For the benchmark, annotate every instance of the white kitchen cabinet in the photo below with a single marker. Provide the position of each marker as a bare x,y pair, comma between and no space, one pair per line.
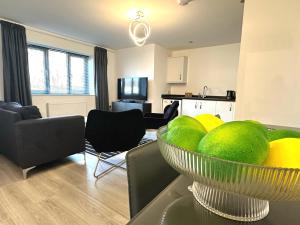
192,107
225,110
189,107
177,69
206,107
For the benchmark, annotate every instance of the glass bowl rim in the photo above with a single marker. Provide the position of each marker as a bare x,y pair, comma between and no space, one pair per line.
164,129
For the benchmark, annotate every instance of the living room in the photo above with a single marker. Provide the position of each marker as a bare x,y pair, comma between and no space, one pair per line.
237,60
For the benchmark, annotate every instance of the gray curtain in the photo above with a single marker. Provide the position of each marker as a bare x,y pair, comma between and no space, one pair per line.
101,87
15,64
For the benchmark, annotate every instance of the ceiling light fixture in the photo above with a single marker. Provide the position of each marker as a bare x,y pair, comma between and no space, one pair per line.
183,2
139,29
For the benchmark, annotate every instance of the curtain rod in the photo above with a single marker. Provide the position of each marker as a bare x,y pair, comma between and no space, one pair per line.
56,35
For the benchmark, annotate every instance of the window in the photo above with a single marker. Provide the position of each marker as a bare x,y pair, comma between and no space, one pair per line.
37,71
54,71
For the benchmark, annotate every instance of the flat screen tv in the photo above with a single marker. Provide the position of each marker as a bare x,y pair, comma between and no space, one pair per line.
133,88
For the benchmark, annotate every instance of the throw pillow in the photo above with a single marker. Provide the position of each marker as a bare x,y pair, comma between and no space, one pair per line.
30,112
25,112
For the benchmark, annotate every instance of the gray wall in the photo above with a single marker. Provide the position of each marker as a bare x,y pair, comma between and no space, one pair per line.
1,70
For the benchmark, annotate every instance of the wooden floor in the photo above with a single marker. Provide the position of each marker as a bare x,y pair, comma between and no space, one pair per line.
63,192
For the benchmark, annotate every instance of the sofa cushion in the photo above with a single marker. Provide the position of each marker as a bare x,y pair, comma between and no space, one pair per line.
30,112
25,112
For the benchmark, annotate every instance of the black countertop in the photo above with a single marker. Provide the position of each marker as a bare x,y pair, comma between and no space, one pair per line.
197,97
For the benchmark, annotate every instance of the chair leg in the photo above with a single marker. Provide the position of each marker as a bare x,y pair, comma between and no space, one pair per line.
107,170
115,165
25,171
96,176
84,156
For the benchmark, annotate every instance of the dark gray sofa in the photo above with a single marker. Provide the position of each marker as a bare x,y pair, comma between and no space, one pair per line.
32,142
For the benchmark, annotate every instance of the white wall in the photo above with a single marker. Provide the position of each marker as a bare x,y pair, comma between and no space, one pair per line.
215,67
269,71
147,61
44,39
1,70
137,62
160,70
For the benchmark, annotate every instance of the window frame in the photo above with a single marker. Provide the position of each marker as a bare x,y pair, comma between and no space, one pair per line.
69,76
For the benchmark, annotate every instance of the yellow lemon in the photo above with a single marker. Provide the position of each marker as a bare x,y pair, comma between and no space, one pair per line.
209,121
285,153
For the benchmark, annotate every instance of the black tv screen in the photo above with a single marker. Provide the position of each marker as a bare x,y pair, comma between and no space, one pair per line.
133,88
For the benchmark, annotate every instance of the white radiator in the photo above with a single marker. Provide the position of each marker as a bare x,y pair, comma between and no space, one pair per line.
63,109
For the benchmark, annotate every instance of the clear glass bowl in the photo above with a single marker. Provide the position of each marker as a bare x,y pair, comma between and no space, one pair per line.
234,190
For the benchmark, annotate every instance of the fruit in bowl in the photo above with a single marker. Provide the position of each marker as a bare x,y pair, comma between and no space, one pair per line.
186,121
246,141
235,184
279,134
236,141
209,121
178,136
284,153
185,132
259,126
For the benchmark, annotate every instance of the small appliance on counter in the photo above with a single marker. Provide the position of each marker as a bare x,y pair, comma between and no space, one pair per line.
230,95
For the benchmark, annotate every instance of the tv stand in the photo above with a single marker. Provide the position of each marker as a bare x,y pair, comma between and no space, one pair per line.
119,106
132,101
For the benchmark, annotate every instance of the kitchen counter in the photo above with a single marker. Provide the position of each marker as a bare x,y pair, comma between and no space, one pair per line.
197,97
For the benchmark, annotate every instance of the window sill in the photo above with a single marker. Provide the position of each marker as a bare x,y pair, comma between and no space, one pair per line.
64,95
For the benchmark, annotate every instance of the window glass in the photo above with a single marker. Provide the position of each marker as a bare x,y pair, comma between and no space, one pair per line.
78,74
58,72
128,86
135,86
36,60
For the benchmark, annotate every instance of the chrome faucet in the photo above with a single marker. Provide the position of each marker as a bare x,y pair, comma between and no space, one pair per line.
205,88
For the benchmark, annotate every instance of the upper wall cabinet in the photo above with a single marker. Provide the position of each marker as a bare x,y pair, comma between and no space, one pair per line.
177,69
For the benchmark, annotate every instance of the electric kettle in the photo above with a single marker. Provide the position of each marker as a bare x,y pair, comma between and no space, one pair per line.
230,95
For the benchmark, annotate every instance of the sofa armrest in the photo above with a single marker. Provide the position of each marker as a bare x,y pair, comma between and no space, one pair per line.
154,123
7,133
44,140
154,115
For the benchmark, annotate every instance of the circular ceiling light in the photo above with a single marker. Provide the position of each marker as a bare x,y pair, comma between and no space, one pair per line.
139,30
183,2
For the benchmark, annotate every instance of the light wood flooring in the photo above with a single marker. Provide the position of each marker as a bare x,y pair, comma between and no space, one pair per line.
64,192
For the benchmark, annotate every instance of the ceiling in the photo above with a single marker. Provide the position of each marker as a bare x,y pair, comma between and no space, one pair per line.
105,22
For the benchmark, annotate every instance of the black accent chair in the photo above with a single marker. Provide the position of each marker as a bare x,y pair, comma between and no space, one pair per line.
157,120
148,174
114,131
29,140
